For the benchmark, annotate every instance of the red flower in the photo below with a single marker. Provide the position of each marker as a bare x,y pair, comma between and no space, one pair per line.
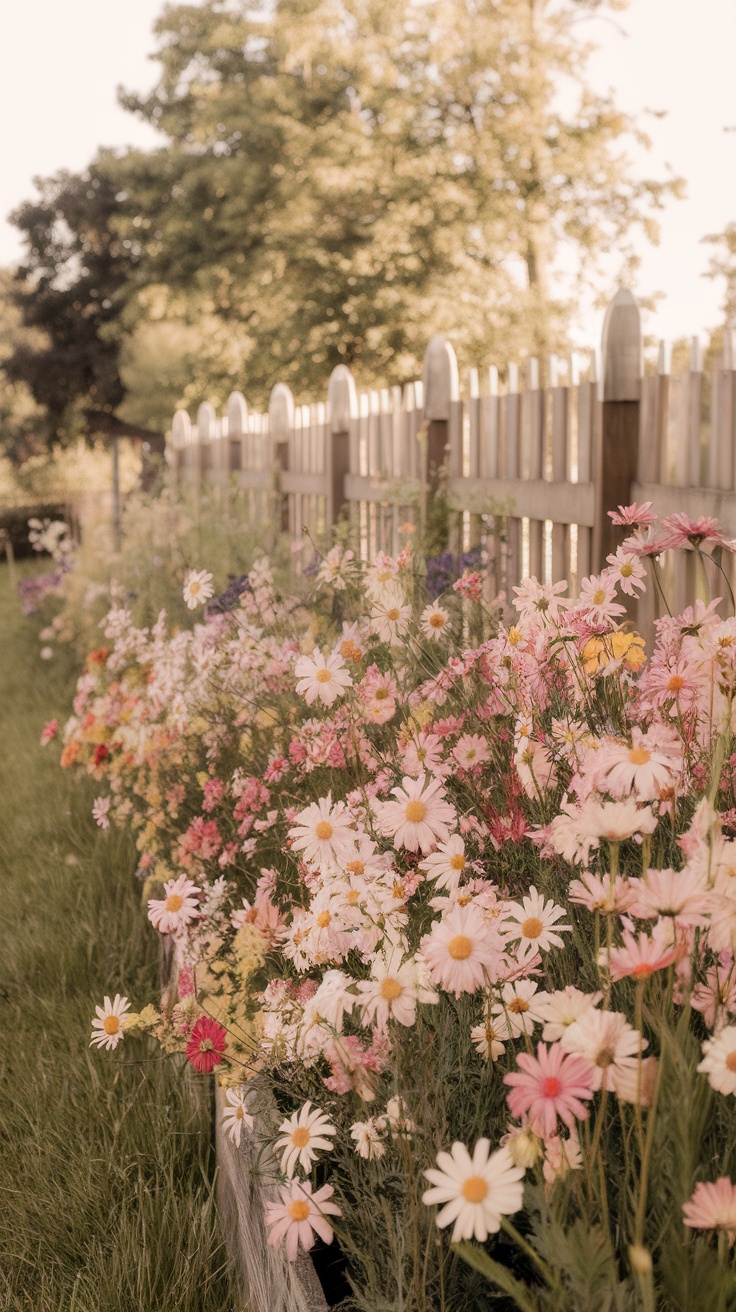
206,1044
101,754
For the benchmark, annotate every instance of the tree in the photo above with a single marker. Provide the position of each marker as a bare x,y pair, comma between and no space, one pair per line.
343,177
723,265
21,419
70,291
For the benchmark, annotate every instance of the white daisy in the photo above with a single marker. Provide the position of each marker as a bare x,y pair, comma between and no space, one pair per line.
322,677
197,588
323,833
434,621
235,1115
490,1038
393,991
519,1006
420,816
368,1138
534,920
100,810
610,1044
390,615
477,1191
303,1136
719,1060
447,864
178,908
560,1009
107,1028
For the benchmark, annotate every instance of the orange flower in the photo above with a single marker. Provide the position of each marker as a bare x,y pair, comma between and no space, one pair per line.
619,646
70,754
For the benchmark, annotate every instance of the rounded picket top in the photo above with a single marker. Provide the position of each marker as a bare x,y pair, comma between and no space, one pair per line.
206,422
281,411
181,430
237,415
440,379
342,398
621,350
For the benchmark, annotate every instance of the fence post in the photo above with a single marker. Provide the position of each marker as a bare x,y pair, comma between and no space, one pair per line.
342,411
441,390
181,436
281,427
237,427
617,448
206,433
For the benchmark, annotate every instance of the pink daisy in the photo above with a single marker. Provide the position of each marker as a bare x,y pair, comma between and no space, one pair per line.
49,731
641,956
207,1043
462,951
633,516
300,1215
681,531
712,1207
549,1085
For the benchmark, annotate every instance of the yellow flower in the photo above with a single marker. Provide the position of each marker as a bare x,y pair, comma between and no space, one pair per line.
137,1022
620,646
250,950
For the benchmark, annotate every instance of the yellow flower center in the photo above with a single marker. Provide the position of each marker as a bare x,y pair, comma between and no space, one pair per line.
457,862
195,586
639,756
676,683
599,597
323,831
323,919
436,621
605,1058
298,1211
111,1024
532,927
380,694
300,1138
353,897
475,1189
415,812
323,676
460,947
731,1062
239,1113
174,902
514,636
393,614
518,1006
356,867
391,989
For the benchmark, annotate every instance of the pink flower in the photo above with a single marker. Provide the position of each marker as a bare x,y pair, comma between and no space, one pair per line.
207,1042
49,731
300,1215
549,1085
100,809
680,531
641,957
469,585
462,951
712,1207
633,516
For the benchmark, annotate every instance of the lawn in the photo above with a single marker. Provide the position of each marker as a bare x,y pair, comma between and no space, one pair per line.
106,1164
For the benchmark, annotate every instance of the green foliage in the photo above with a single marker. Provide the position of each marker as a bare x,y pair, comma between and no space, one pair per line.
105,1173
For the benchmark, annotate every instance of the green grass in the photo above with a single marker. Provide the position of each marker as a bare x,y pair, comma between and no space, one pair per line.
106,1193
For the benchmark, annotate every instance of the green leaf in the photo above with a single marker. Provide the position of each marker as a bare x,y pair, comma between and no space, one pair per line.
498,1275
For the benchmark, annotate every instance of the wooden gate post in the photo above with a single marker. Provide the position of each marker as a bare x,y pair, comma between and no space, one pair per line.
617,445
342,411
281,427
441,389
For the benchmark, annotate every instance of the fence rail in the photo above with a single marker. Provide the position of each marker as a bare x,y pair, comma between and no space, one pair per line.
532,465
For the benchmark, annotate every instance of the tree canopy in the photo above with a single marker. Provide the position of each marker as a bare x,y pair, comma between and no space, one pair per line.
339,179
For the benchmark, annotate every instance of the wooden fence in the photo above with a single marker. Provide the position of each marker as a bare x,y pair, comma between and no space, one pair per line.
532,465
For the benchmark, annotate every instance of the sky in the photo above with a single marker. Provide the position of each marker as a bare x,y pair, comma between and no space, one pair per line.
61,62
